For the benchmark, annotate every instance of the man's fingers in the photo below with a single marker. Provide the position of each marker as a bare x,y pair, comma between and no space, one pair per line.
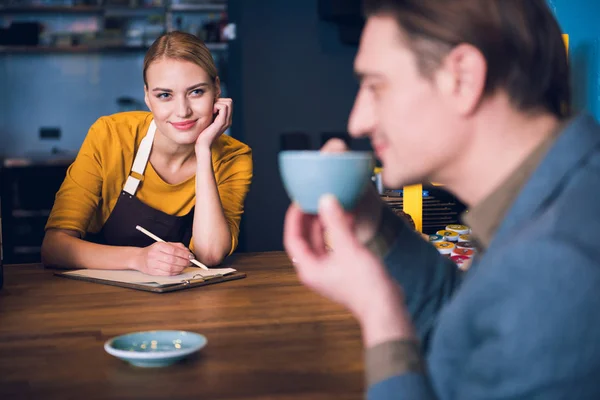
295,241
317,237
334,145
336,222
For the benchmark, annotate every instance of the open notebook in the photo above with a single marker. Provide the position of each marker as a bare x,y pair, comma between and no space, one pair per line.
191,277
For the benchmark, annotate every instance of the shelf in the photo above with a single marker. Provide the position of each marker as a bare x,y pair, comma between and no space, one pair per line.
217,46
30,213
199,7
70,49
111,10
27,249
127,11
88,49
50,9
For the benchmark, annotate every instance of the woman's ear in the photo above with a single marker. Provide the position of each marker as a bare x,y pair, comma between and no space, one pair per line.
146,99
217,88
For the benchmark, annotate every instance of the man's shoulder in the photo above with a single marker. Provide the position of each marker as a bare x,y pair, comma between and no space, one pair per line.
570,215
559,241
557,249
574,212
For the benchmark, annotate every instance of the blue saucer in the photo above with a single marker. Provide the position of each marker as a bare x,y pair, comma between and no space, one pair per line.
155,348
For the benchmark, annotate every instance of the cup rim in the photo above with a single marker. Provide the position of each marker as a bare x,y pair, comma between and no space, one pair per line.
319,154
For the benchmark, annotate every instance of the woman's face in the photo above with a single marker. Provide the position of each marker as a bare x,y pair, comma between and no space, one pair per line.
181,96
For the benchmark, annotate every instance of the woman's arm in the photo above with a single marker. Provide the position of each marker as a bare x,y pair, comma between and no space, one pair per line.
64,249
211,240
211,233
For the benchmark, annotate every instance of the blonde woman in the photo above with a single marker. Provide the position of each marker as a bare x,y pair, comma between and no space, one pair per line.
170,170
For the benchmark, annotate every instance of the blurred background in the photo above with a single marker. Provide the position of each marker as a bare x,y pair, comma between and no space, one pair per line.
286,63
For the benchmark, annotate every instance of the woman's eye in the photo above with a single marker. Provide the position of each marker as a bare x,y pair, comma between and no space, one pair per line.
197,92
163,96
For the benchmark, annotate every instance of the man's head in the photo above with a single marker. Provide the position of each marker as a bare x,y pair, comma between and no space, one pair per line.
428,67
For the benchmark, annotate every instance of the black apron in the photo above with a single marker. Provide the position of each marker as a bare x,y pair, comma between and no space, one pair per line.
119,228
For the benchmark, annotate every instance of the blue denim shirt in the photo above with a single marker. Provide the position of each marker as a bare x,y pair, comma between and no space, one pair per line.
521,323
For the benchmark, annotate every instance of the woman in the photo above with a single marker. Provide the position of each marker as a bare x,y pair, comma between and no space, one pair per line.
145,168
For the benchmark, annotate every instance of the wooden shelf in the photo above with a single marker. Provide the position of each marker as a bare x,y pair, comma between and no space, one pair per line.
88,49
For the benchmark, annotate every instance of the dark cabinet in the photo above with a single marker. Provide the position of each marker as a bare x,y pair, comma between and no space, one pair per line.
27,191
347,15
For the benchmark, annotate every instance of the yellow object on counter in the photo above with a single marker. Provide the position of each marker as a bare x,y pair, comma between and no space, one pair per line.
412,204
444,247
460,229
464,238
450,236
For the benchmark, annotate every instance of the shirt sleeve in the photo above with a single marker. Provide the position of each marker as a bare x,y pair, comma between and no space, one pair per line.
78,198
396,369
428,279
411,385
396,357
533,335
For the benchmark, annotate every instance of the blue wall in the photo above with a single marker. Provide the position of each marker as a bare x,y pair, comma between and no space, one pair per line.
4,98
293,75
68,91
581,20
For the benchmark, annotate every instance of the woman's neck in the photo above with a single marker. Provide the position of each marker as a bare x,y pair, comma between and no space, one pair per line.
170,154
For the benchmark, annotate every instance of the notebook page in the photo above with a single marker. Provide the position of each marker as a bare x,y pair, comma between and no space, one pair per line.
137,277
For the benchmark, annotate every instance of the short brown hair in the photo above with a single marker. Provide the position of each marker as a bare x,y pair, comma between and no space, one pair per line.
520,40
181,46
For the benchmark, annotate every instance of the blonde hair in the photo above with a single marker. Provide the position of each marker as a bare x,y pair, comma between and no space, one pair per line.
181,46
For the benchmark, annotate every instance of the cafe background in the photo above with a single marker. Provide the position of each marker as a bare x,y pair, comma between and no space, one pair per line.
286,63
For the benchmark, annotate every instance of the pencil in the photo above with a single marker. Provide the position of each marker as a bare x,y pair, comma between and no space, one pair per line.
156,238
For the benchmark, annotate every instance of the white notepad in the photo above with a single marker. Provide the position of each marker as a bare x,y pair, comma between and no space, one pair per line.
190,274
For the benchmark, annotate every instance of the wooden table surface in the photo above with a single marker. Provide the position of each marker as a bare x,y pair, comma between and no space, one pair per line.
268,338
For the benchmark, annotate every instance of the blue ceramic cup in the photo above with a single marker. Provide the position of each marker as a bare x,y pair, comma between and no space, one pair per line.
308,175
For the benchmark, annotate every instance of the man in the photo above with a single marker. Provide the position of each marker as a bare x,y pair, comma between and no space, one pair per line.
472,94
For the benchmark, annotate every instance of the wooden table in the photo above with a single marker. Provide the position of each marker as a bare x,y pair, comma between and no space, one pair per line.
268,338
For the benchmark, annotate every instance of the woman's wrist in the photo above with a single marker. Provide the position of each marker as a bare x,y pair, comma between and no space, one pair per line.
132,257
203,156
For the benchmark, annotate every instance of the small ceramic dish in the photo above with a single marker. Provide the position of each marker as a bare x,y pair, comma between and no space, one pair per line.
155,348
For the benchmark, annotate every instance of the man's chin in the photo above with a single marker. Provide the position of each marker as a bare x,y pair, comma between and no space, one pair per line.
397,181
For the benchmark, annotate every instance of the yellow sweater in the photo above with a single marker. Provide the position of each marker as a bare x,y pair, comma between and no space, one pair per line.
95,179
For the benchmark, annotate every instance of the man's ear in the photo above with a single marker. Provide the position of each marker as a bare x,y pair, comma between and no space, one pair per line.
461,78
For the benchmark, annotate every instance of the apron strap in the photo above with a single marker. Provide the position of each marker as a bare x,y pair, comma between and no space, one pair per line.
140,161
